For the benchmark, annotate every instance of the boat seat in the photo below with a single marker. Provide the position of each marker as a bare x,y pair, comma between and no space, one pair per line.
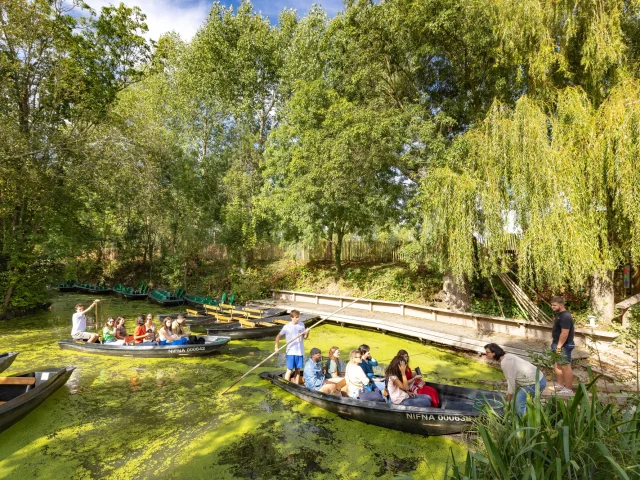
224,318
212,309
280,321
17,380
192,312
266,324
226,308
253,313
246,324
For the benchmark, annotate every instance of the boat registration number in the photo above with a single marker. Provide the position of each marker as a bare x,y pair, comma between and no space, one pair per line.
186,350
440,418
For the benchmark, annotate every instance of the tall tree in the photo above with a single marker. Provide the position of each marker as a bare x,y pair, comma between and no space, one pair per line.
60,74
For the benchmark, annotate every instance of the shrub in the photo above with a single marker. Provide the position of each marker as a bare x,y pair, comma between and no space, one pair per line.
578,438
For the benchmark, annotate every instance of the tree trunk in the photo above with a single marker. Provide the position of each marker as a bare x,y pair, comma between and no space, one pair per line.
329,252
458,293
602,300
7,297
338,251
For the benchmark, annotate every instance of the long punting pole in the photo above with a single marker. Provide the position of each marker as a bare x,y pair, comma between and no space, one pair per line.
314,326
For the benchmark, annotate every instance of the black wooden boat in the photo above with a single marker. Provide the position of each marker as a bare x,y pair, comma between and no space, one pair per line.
190,319
212,343
460,406
67,288
93,289
266,311
6,359
20,394
166,299
128,293
261,329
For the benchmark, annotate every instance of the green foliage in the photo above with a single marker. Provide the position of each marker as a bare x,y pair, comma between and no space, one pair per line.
578,438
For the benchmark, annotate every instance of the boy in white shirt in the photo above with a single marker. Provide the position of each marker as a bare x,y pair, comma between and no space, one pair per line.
295,349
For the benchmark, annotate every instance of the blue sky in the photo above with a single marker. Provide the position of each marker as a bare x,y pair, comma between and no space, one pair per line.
186,16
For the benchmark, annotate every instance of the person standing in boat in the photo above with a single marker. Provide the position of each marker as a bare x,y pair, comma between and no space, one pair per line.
295,348
520,374
314,377
79,321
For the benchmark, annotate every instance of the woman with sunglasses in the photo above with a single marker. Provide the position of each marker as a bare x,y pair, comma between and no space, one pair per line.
109,331
357,380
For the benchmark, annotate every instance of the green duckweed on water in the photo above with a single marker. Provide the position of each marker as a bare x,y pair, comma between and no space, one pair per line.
145,418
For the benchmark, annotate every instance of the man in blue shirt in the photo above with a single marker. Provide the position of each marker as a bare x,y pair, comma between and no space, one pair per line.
314,376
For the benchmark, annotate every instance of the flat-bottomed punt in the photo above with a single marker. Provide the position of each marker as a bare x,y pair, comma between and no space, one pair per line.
6,359
211,345
21,394
267,327
460,406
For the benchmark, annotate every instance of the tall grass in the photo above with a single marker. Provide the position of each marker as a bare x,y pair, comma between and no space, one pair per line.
576,438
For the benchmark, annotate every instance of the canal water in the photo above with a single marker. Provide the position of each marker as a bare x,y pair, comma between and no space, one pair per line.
145,418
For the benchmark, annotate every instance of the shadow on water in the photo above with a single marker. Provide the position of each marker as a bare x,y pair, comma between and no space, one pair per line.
165,418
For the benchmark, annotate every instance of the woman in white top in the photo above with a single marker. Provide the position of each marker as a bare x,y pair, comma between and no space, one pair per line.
356,380
167,337
398,385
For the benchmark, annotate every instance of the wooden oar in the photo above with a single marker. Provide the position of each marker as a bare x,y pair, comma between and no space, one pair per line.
306,331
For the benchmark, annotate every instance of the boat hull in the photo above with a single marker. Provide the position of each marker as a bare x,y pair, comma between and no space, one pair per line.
190,319
166,303
67,289
6,359
95,291
237,332
211,345
16,409
131,296
423,421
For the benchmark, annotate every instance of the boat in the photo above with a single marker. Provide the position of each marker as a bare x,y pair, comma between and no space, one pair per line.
6,359
167,299
199,302
93,289
69,286
259,328
20,394
190,319
267,312
459,407
129,293
212,344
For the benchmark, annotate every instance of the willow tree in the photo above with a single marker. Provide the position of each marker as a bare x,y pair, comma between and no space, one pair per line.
566,180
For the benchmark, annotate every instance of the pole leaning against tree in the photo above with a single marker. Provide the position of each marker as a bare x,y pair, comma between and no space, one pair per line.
306,331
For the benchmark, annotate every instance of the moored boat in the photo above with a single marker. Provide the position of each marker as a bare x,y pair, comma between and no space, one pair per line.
69,286
129,293
20,394
459,407
167,299
212,344
267,327
6,359
93,289
190,319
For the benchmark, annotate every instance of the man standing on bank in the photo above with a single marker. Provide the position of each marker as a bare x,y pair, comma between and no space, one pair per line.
295,349
562,343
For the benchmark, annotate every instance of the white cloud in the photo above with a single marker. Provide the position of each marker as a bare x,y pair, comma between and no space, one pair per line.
166,15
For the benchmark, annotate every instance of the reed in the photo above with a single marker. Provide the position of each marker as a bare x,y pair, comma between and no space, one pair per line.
576,438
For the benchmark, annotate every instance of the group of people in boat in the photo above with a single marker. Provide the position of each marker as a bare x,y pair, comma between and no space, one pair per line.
400,385
173,331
